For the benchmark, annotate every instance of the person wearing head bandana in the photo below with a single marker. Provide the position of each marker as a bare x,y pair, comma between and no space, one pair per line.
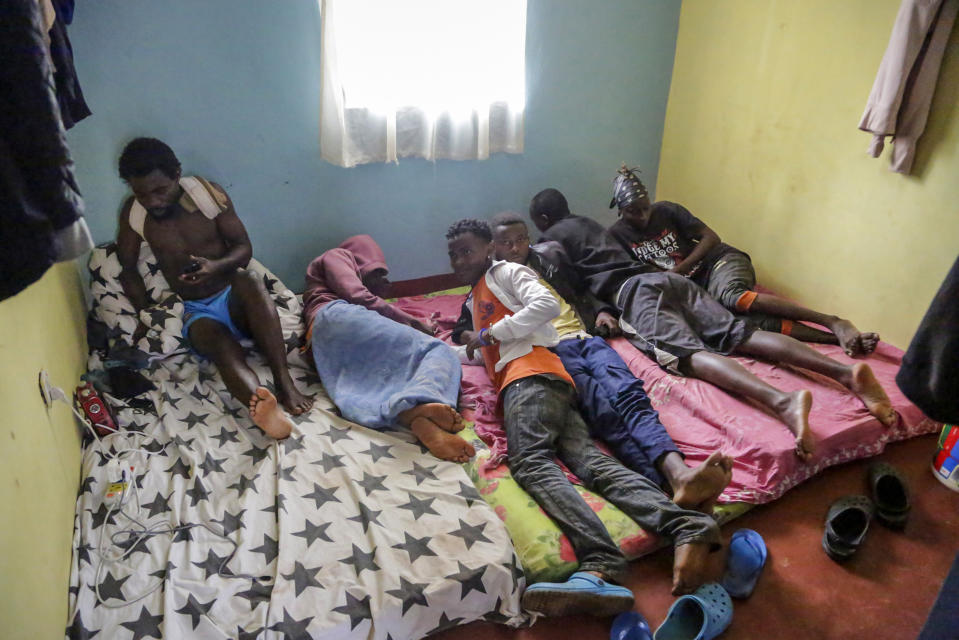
668,236
687,332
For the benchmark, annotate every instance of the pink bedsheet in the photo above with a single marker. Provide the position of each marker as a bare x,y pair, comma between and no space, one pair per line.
702,418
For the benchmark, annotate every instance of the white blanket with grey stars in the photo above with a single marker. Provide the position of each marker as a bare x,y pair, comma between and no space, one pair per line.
337,532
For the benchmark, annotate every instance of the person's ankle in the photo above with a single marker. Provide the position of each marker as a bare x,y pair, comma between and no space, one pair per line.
674,469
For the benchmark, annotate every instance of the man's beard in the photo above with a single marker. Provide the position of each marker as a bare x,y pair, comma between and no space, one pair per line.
162,212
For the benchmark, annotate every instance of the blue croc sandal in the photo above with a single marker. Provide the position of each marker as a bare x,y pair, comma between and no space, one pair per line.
630,626
747,556
582,593
700,616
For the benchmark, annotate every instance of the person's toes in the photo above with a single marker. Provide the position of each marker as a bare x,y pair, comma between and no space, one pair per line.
727,464
869,342
256,398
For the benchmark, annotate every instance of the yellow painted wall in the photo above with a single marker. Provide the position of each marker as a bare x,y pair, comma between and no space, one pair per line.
761,142
42,327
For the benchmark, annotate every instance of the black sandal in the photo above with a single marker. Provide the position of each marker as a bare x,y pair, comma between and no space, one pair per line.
846,525
890,493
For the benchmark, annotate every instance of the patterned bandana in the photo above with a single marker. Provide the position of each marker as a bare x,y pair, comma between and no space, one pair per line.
627,187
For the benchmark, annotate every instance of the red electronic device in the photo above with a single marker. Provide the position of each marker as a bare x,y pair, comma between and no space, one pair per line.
95,409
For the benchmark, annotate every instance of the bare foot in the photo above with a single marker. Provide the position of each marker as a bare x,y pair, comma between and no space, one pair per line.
795,413
268,415
441,444
848,336
294,401
851,341
698,488
869,342
689,567
864,384
444,416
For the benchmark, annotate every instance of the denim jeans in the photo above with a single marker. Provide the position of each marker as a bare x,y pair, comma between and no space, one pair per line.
615,405
542,423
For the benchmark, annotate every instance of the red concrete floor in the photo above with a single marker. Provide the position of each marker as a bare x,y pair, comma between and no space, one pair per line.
884,592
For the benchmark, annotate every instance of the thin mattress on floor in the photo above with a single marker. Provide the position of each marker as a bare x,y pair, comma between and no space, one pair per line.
701,418
336,532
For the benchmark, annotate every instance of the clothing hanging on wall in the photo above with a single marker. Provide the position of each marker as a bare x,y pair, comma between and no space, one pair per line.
73,108
41,211
902,93
929,375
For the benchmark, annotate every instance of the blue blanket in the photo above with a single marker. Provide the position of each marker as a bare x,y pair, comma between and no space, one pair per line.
374,368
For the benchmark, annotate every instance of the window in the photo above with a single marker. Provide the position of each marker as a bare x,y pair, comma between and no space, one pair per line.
437,79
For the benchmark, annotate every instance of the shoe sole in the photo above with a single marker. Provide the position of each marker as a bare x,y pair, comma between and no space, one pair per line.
565,603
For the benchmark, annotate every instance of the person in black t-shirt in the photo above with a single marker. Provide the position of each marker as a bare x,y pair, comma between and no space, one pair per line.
687,332
668,236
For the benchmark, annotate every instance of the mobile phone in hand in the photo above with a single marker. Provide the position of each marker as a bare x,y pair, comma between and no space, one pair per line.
193,267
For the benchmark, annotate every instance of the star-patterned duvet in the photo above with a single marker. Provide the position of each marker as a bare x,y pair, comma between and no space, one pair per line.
337,532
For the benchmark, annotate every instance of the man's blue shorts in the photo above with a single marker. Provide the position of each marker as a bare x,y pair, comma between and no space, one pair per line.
216,307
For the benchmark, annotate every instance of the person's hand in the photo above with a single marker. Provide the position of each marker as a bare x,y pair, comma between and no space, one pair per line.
207,268
472,341
426,326
607,324
682,270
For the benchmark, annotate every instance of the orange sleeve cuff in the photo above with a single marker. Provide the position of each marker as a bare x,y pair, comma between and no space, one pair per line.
786,327
745,301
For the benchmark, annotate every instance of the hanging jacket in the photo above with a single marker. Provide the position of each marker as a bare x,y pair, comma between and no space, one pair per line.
73,107
40,206
899,103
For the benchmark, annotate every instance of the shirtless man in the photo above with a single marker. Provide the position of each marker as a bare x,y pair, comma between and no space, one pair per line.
202,249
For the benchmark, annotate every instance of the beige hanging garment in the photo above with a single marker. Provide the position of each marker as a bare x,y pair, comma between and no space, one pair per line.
899,102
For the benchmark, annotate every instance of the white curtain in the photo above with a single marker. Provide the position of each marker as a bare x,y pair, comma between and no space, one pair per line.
435,79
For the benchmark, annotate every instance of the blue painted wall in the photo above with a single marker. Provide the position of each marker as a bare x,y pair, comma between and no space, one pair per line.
233,87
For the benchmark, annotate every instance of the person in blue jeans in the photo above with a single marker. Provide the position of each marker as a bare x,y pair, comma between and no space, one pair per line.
612,399
508,315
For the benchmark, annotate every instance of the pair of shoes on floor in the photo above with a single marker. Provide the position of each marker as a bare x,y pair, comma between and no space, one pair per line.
848,518
582,593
